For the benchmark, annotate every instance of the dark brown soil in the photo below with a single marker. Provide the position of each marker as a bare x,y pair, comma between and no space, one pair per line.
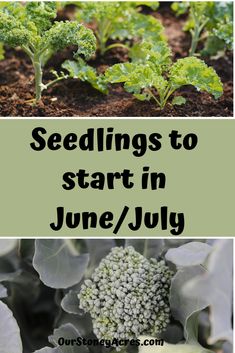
74,98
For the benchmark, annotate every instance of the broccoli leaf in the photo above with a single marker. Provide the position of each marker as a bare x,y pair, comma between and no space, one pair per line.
137,77
119,72
190,254
70,303
80,70
53,261
67,331
63,34
157,53
213,45
13,32
10,340
193,71
215,288
224,32
41,14
183,307
147,28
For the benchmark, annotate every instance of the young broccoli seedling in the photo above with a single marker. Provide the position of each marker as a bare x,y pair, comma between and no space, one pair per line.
127,295
212,20
152,75
32,27
119,21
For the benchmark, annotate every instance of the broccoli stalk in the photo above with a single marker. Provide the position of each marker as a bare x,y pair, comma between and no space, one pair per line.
200,22
30,27
127,295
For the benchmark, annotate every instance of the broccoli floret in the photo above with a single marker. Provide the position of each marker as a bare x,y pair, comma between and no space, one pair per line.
127,295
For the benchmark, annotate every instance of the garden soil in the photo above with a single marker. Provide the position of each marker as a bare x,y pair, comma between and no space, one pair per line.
75,98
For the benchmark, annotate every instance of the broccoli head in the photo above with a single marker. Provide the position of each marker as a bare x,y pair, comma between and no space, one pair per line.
127,295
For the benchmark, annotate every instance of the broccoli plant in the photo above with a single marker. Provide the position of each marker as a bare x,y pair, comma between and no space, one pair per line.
32,27
153,75
208,19
127,295
119,20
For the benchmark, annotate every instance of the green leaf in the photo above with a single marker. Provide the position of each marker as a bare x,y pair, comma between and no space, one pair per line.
178,100
10,341
224,32
63,34
80,70
41,14
148,28
183,307
119,72
138,79
70,303
12,31
193,71
215,288
67,331
57,266
212,46
157,54
141,77
190,254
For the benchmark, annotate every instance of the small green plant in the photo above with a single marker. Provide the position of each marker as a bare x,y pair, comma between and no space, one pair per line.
32,27
212,20
153,75
127,295
119,20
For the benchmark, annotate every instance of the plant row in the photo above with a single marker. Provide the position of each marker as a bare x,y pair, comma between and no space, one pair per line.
149,73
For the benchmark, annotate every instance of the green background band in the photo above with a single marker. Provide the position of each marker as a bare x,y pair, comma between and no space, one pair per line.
200,183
